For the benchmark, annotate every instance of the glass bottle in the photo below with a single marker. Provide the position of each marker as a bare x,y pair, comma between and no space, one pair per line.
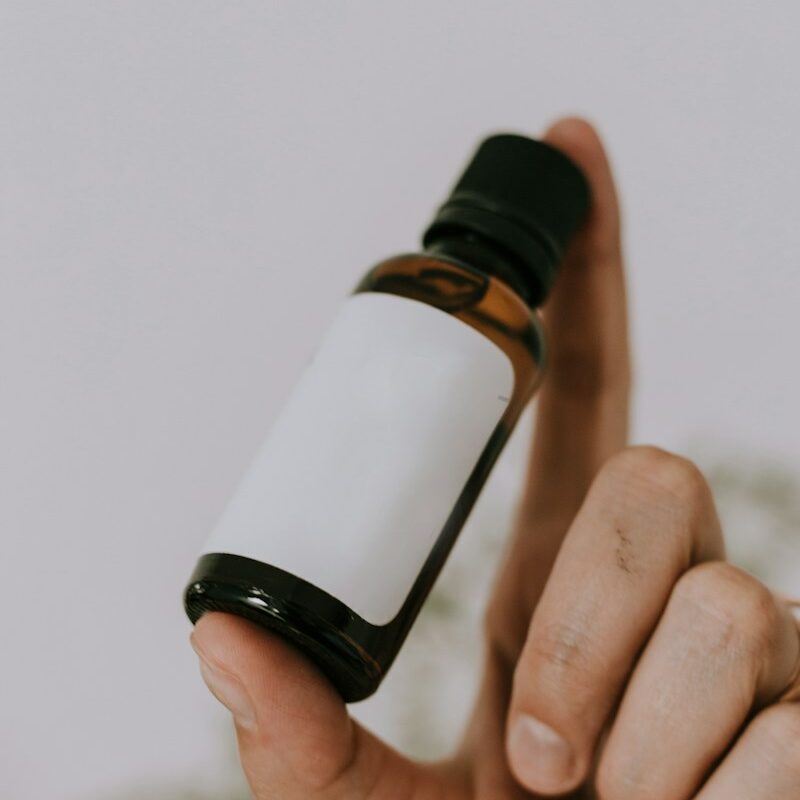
339,529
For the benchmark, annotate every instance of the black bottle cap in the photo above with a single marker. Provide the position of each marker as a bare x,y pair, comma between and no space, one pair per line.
523,196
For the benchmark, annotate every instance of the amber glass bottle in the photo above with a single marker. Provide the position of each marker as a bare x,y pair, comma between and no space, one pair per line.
342,523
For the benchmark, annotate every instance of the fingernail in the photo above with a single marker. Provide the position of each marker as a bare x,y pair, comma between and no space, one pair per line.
542,759
229,690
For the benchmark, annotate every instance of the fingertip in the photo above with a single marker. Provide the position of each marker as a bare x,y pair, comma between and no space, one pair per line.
276,674
226,639
577,136
227,644
541,759
242,647
572,126
579,139
301,722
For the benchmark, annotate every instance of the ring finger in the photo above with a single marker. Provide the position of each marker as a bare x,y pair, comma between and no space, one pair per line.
724,647
765,763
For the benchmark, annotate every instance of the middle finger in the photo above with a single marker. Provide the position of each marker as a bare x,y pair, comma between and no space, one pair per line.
647,518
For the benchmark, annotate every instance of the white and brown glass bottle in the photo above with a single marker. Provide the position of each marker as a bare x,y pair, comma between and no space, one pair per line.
343,521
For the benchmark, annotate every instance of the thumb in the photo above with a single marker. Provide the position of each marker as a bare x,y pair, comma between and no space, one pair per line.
295,736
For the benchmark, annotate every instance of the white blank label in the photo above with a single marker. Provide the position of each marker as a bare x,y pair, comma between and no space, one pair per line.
365,462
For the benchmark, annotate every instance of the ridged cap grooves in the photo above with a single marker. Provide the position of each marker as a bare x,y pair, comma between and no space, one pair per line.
525,196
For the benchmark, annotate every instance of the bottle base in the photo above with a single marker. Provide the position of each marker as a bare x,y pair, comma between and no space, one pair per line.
212,587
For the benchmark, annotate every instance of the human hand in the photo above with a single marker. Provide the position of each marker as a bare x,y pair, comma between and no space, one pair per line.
625,659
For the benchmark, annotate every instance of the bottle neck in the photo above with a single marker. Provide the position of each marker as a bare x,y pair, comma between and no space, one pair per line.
473,250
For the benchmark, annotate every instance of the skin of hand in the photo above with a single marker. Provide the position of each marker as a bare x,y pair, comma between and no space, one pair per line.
624,657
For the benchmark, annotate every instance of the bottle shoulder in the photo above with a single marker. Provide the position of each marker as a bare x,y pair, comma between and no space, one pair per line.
482,301
458,289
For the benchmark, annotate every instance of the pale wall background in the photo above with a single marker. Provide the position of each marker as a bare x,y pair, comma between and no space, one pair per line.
188,189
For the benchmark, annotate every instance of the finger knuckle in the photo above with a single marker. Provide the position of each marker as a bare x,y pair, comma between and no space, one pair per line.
659,492
559,655
738,606
658,473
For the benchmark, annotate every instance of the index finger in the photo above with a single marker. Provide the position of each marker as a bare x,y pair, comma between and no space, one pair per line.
582,416
583,405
